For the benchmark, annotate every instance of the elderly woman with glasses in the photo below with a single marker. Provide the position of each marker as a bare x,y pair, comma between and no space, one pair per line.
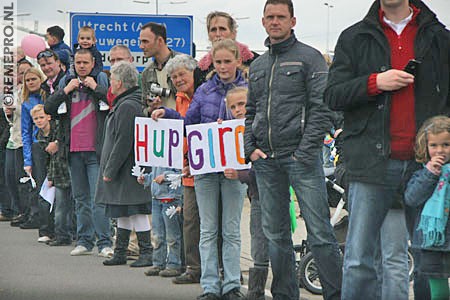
181,71
125,199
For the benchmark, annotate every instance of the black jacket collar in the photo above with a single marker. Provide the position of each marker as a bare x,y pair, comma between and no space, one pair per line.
45,86
426,16
282,46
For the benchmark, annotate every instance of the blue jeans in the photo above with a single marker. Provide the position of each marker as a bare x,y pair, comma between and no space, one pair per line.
166,235
208,189
369,204
391,257
63,214
274,177
91,219
259,244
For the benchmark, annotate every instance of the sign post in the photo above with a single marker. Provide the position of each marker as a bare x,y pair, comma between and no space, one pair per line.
115,29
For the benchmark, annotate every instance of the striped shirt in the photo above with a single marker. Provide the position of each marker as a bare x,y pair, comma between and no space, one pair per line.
83,122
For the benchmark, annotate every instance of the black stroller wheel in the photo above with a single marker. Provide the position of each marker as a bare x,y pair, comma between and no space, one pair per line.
309,274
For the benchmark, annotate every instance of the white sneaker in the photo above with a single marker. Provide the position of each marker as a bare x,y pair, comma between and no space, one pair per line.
43,239
106,252
80,250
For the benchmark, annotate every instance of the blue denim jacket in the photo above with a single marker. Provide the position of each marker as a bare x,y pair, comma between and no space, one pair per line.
420,188
162,191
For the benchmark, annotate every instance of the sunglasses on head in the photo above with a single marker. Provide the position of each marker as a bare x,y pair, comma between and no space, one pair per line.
45,53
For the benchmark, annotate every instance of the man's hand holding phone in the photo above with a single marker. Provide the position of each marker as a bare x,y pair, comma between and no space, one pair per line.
411,66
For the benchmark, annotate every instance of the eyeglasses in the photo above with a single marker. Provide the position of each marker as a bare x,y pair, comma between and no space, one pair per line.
45,53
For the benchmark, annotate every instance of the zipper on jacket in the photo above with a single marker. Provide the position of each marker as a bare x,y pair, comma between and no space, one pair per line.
268,106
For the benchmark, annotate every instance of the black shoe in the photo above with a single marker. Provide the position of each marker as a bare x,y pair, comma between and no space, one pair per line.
30,224
144,260
17,221
55,243
234,294
116,260
208,296
186,278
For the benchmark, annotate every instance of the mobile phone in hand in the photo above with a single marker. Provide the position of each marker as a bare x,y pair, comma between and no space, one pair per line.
411,66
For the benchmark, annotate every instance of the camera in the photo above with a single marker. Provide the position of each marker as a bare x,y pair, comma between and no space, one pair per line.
157,90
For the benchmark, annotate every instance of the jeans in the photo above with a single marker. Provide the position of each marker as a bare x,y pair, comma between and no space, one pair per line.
166,235
391,257
191,231
63,214
258,241
91,219
208,189
39,172
13,172
369,203
421,285
273,177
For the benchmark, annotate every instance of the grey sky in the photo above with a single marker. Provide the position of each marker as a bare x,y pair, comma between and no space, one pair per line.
311,16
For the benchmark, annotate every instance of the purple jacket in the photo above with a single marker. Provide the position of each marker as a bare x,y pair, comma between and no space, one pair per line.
208,103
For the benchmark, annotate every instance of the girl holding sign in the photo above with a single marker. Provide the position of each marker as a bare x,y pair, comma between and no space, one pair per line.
209,105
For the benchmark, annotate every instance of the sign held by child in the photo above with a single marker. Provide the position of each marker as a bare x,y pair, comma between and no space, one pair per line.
214,147
158,144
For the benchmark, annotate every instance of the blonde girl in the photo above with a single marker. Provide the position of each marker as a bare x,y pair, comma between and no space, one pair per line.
209,105
429,189
32,94
33,155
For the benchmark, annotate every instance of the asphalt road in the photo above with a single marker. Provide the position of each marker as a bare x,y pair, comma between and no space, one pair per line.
33,271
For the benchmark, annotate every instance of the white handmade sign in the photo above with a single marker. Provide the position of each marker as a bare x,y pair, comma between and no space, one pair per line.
158,143
215,147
